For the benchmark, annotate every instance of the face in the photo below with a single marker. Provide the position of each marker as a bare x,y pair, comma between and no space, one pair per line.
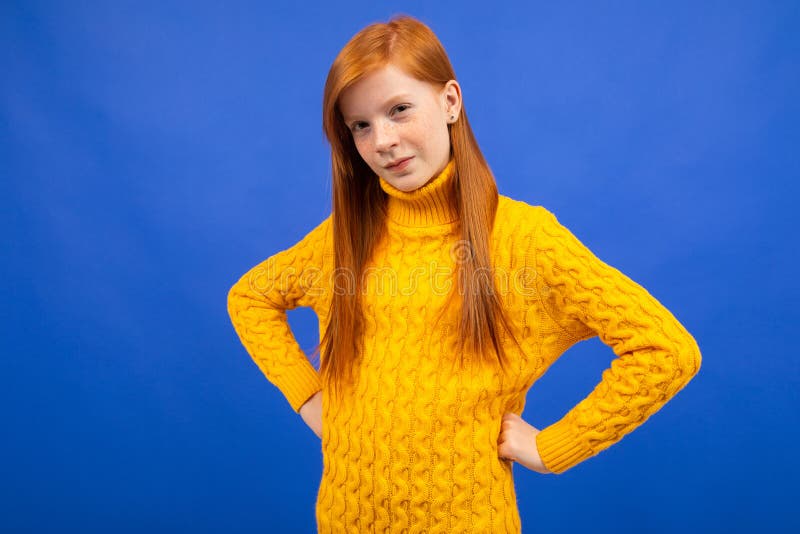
394,117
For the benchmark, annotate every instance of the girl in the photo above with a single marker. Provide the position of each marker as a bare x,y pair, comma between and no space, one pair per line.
440,302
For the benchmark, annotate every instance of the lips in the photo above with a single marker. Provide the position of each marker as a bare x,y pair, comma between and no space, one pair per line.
398,162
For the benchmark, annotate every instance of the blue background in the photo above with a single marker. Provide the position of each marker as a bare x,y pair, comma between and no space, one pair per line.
151,153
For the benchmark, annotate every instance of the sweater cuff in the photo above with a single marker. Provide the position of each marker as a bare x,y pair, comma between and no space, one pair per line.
300,385
559,447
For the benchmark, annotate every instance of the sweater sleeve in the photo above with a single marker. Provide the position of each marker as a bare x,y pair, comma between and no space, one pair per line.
257,305
656,356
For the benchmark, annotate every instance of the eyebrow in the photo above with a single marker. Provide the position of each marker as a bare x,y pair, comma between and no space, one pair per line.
392,99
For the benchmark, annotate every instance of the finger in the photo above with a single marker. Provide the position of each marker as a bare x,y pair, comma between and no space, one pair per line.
504,451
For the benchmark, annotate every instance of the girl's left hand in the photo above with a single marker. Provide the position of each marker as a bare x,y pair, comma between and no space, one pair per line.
517,443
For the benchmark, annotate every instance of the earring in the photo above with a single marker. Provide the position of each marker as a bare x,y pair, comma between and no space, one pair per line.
452,117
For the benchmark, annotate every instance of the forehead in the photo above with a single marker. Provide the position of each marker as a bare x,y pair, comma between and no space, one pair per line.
377,88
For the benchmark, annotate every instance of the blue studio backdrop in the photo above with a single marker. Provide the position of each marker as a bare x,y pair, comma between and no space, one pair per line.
153,152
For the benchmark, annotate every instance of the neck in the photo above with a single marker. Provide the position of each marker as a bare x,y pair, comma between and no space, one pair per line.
432,204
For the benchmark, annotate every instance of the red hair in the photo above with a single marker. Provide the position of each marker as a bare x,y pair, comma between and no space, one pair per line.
358,214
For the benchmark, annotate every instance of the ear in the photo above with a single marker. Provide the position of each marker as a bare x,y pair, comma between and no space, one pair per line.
451,95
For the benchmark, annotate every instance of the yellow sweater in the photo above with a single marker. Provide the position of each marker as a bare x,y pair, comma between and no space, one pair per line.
415,449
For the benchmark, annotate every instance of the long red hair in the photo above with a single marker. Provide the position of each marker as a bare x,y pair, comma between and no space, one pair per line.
358,215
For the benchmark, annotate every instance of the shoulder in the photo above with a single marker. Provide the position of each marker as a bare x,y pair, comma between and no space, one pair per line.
515,231
323,226
321,232
313,246
514,216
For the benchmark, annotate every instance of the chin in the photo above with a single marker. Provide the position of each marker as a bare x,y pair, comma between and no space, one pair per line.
412,185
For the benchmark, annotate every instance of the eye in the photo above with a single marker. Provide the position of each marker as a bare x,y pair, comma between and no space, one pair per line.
360,125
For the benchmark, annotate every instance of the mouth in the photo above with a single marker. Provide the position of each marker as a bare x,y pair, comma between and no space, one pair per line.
398,163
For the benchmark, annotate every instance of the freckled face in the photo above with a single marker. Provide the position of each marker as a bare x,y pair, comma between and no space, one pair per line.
394,117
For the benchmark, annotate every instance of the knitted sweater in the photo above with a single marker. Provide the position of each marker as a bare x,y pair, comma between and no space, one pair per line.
415,448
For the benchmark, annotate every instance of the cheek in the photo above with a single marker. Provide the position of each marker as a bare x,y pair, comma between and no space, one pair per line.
419,133
427,131
363,148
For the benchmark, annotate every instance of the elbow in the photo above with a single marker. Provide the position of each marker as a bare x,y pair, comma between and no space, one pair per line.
234,295
688,360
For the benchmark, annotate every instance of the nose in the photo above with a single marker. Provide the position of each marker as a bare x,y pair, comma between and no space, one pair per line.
385,136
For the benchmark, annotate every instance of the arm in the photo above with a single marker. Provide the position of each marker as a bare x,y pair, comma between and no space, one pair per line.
311,412
656,356
257,306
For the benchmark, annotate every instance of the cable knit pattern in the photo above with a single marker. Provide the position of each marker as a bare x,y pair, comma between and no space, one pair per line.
414,448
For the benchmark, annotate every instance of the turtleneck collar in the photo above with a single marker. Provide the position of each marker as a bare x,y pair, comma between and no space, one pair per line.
432,204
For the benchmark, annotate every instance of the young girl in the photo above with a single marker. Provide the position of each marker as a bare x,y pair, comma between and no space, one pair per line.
440,303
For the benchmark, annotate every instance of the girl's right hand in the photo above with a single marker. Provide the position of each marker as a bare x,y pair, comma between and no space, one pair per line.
311,412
